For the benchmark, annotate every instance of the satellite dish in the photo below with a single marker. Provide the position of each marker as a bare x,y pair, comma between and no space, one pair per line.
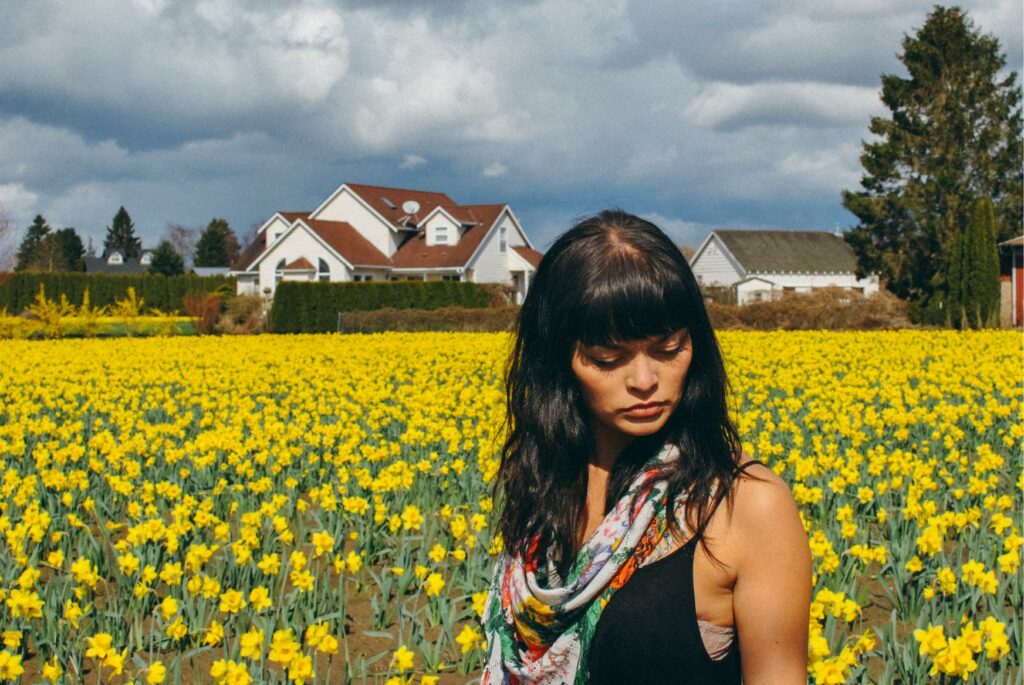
410,206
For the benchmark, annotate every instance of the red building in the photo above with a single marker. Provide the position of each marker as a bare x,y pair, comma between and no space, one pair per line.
1011,281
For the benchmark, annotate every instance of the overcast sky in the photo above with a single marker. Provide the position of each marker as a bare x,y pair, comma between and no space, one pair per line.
695,114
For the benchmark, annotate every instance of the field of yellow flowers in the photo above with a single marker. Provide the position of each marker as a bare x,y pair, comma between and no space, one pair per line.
317,508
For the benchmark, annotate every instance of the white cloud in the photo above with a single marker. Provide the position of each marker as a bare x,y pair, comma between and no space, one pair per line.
17,204
494,170
728,105
412,161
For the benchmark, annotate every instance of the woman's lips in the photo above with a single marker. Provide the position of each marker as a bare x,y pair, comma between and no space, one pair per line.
645,410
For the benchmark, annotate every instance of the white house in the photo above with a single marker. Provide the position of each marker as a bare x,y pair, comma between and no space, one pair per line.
763,264
374,233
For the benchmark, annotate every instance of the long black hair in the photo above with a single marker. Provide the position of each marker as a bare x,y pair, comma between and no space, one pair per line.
613,277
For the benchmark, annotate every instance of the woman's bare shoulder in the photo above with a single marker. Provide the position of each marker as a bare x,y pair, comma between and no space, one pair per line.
762,501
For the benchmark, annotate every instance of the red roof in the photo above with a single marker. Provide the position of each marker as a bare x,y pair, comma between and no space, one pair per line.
300,264
388,202
530,255
414,253
349,243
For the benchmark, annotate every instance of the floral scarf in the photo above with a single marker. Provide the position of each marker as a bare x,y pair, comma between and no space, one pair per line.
538,628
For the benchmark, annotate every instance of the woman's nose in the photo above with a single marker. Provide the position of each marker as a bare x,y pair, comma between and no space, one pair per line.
642,376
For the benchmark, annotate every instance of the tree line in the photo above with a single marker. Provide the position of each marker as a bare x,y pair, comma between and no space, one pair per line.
48,250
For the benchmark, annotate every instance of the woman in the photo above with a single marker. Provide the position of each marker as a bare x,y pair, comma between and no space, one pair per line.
641,546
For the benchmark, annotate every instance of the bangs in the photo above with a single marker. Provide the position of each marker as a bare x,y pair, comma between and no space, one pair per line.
632,299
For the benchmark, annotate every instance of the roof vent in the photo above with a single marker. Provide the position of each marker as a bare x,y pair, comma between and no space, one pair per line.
410,206
389,203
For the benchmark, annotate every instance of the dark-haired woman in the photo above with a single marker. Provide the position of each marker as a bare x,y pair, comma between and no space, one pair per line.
641,545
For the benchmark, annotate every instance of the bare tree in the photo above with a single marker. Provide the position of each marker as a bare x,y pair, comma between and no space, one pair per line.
183,238
49,256
249,237
8,252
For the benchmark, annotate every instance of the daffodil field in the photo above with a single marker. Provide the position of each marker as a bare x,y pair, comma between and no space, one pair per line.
313,509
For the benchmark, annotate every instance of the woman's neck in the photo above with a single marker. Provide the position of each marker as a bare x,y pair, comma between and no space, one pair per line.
608,445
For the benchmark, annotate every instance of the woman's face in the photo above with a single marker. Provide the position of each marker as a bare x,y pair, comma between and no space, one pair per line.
632,388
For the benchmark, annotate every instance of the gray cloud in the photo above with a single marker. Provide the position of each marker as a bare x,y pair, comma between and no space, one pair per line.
701,114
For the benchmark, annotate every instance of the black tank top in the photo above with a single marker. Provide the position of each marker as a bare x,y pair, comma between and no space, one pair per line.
648,632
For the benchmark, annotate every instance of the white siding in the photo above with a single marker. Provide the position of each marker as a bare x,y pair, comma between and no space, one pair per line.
345,207
275,229
491,265
246,285
802,283
440,219
299,243
713,267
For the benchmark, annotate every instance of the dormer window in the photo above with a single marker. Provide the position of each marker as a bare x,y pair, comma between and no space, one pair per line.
146,258
503,239
441,235
115,258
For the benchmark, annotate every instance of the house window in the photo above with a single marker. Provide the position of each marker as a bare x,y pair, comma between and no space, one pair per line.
451,277
278,274
503,239
115,258
441,235
324,271
394,278
146,258
788,289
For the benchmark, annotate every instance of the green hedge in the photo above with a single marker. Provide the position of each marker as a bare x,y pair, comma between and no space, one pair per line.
314,307
490,320
18,290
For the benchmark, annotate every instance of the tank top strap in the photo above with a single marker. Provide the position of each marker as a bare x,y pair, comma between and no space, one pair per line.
740,469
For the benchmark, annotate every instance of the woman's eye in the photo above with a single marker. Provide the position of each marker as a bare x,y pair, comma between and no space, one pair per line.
671,350
604,363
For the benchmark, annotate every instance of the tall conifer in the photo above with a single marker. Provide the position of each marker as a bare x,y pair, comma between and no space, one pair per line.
953,136
31,242
121,237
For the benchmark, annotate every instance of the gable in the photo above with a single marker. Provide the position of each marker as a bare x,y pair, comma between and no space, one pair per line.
414,253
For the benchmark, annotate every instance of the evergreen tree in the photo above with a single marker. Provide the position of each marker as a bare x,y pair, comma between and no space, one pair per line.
973,289
121,237
217,245
954,135
166,260
74,250
30,243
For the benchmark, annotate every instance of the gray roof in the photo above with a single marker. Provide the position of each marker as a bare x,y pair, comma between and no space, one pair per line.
99,265
789,251
210,270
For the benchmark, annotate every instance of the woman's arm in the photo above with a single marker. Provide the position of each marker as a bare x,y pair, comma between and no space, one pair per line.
772,595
